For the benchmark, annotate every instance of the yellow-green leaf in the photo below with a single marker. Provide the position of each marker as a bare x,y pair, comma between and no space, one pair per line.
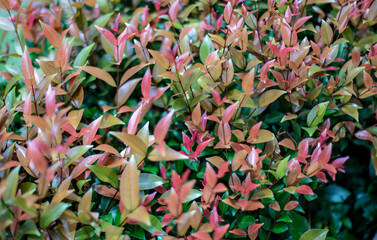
269,97
134,142
129,186
109,121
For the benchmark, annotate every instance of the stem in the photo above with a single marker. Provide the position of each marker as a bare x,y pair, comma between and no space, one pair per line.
15,29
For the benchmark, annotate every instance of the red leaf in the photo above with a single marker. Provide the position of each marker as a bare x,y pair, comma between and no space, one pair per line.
210,58
108,35
264,70
300,22
134,121
216,97
82,166
51,34
248,81
162,128
324,156
91,131
290,205
304,189
238,231
214,219
210,176
116,24
229,111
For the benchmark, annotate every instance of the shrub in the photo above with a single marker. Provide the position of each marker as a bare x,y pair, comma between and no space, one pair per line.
191,120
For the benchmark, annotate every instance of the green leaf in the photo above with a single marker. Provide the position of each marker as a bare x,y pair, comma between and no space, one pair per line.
310,130
246,221
149,181
316,115
154,226
105,174
100,22
52,212
282,168
83,55
12,182
109,121
336,194
29,227
299,225
205,49
314,234
11,83
352,74
75,153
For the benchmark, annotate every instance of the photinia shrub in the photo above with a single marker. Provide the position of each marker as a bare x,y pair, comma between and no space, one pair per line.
177,119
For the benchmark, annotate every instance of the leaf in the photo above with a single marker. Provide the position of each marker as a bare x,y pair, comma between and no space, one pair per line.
304,189
350,110
162,128
6,25
269,97
129,186
75,153
149,181
194,194
205,49
131,71
108,35
109,121
352,74
51,34
316,114
168,155
27,70
262,193
83,55
100,74
314,234
141,215
99,22
160,59
91,131
124,92
134,142
52,212
105,174
155,225
282,168
326,33
12,183
82,166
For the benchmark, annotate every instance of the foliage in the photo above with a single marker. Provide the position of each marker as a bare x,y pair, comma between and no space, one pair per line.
194,120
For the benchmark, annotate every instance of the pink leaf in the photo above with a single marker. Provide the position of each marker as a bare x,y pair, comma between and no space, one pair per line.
290,205
365,135
27,70
116,24
173,11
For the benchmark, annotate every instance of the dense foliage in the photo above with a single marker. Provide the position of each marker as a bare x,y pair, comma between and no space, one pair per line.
193,120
